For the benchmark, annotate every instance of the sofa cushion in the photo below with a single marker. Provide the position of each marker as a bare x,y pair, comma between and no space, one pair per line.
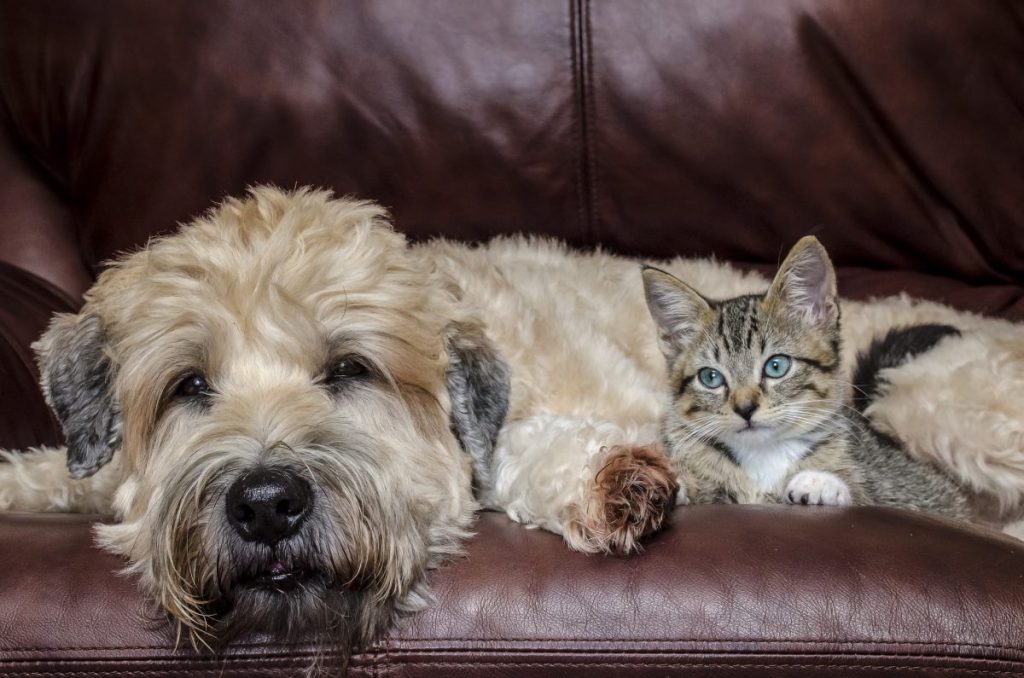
26,304
725,590
654,127
891,130
998,300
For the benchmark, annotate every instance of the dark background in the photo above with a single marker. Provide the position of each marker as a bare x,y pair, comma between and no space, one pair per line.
892,130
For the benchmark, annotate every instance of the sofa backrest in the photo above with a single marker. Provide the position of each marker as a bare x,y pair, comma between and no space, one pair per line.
895,131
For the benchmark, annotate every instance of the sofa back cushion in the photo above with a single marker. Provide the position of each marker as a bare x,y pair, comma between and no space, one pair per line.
894,131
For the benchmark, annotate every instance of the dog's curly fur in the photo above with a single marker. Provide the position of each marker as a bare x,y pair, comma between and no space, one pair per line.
540,361
262,297
588,375
634,491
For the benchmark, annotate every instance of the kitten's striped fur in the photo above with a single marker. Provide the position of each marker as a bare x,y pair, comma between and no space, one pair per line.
795,438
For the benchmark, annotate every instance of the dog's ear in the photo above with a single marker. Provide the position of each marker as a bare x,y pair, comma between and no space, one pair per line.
478,385
77,377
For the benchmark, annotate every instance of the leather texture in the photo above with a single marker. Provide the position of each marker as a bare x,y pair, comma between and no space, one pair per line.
656,127
892,130
733,590
26,304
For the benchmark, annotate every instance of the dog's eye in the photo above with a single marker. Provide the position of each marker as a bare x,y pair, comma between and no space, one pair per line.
192,386
345,369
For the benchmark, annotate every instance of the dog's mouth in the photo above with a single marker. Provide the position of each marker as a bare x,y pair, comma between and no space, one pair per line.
283,577
284,595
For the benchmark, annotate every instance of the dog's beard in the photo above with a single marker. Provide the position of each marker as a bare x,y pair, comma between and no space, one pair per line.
291,594
305,605
318,586
286,591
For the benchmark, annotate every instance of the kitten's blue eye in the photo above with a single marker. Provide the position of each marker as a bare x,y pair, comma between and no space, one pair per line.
777,366
710,377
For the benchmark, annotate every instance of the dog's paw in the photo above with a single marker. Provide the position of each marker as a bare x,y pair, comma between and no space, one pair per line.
633,495
818,488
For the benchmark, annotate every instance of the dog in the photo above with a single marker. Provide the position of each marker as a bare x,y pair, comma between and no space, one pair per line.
293,413
589,381
264,403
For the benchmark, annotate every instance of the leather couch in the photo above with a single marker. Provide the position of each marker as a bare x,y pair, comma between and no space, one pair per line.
892,130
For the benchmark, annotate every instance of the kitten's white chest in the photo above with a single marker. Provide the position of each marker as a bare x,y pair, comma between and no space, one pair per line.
769,463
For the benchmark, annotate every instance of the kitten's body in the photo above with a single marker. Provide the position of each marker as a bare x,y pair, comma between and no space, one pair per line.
872,466
753,437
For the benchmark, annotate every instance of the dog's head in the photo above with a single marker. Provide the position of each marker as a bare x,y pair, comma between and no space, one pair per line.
272,386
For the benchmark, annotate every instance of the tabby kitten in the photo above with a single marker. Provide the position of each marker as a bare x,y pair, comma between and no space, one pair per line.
758,413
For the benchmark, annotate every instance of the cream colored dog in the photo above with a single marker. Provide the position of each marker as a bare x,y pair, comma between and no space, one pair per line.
588,382
262,401
293,346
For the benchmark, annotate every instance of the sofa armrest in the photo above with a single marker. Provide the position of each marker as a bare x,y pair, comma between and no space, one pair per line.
725,590
26,304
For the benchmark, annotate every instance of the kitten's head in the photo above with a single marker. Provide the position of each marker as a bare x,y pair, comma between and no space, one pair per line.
754,369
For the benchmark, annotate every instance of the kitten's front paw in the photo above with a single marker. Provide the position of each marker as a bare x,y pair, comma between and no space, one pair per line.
818,488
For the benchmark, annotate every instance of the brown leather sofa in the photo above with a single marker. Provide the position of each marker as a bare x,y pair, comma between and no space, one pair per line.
893,130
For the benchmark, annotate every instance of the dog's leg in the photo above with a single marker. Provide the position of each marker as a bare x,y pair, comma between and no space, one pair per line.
38,480
632,495
600,486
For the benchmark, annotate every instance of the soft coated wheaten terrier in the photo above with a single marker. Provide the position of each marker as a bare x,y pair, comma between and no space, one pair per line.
277,405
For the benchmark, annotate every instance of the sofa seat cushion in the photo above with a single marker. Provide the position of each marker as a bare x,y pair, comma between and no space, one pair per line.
730,590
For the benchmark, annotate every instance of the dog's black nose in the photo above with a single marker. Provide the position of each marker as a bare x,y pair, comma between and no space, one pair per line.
268,505
746,408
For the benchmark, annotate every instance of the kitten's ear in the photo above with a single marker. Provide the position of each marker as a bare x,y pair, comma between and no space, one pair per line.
676,307
805,285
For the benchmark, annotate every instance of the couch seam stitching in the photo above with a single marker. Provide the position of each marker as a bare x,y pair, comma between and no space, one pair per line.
958,670
288,649
787,641
578,119
371,660
590,118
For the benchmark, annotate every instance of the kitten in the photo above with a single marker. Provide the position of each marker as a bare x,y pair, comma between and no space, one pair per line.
758,413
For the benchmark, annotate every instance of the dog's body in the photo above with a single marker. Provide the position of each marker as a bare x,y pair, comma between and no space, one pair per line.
297,334
588,379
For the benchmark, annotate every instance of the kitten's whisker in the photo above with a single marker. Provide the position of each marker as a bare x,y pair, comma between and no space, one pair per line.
851,385
700,432
841,405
